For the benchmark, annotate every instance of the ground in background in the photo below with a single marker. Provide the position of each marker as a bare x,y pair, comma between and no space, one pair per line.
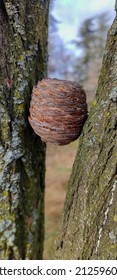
59,161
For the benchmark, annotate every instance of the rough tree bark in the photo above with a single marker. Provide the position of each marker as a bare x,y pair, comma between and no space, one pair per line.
89,223
23,56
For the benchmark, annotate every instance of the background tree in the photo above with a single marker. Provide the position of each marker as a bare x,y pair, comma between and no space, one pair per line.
85,41
89,223
23,57
80,59
60,57
90,42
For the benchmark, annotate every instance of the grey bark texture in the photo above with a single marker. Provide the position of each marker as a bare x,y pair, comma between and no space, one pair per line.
23,60
89,223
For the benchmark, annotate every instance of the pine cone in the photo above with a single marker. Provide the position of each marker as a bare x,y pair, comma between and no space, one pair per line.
58,110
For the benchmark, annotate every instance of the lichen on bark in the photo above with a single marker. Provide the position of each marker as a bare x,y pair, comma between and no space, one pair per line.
23,61
89,222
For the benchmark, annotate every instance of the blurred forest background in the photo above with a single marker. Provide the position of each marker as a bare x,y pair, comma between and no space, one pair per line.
76,59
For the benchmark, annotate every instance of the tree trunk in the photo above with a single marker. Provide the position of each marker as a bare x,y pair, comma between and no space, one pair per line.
89,223
23,56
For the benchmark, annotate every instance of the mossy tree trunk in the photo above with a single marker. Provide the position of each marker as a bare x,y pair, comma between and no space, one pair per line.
23,56
89,223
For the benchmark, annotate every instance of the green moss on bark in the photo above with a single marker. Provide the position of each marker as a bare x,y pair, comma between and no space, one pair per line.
88,229
23,61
